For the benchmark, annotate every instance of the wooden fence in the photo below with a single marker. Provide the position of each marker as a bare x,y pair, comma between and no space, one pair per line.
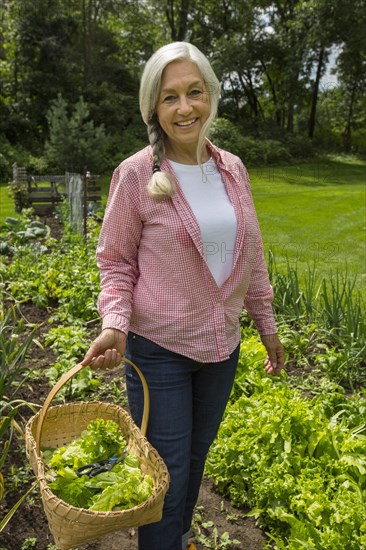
44,193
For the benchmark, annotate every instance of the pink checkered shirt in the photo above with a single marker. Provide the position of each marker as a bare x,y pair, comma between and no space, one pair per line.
154,278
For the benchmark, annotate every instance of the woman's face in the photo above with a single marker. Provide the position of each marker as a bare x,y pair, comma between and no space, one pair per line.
183,103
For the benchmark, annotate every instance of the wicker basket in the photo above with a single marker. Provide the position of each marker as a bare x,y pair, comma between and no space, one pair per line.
59,425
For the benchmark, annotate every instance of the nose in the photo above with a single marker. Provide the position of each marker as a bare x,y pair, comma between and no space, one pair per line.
184,107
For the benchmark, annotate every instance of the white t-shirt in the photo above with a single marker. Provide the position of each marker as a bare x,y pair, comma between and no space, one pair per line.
206,195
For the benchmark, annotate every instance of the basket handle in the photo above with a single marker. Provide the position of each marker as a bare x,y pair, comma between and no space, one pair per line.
67,376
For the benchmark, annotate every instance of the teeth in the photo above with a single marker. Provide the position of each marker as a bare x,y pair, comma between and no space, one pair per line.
186,123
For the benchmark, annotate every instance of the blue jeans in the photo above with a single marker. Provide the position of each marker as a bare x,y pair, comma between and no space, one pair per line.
188,400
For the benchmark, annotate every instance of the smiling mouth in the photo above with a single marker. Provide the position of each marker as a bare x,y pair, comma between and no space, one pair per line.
187,123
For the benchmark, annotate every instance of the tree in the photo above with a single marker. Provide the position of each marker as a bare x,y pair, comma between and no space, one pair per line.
351,68
53,47
73,141
177,17
270,56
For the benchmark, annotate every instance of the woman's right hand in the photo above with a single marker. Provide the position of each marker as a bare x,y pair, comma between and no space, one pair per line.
107,350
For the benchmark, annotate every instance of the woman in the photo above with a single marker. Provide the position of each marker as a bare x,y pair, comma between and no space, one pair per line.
180,255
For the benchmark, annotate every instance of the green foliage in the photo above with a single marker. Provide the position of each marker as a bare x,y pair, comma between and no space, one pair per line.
120,489
70,341
345,364
299,146
73,141
66,275
299,464
69,344
15,232
15,341
56,273
19,193
227,135
332,301
29,542
70,49
321,322
272,61
359,142
214,540
123,487
9,153
100,440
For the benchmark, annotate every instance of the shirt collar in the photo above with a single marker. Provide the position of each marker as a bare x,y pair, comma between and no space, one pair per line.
215,152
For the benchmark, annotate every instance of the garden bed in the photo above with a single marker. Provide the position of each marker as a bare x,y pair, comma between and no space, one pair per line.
29,529
53,283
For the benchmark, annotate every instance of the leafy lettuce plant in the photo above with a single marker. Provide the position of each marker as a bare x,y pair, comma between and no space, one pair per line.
70,343
302,471
101,440
123,487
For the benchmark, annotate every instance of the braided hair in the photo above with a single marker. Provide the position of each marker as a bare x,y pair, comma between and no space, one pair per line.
161,184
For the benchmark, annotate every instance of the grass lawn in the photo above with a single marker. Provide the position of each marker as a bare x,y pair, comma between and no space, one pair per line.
6,203
313,213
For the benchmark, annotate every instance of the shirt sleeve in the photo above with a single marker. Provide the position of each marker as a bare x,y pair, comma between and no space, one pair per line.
117,251
259,296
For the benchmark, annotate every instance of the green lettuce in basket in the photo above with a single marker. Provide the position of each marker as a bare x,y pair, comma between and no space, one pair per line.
123,487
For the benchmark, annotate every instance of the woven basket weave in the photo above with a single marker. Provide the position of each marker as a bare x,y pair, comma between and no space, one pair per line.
59,425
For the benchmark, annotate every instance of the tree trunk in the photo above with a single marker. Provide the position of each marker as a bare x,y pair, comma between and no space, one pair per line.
250,95
314,101
347,133
273,92
291,101
290,117
177,32
183,19
236,98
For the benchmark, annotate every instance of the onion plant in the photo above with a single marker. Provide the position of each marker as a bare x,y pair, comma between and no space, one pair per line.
14,345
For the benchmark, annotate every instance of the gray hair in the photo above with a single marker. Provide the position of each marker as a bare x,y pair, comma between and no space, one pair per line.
162,184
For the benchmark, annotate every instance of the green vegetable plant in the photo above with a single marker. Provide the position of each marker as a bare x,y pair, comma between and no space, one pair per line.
333,303
121,488
207,534
345,364
14,345
343,308
66,277
69,344
29,543
299,464
99,441
24,231
19,192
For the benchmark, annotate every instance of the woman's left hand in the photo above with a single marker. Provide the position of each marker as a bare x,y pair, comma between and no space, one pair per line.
275,360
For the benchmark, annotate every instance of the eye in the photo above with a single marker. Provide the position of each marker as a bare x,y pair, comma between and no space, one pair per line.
195,93
169,99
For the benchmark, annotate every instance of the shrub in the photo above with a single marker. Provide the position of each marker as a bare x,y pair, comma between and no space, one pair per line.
359,142
252,151
227,136
8,155
299,146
